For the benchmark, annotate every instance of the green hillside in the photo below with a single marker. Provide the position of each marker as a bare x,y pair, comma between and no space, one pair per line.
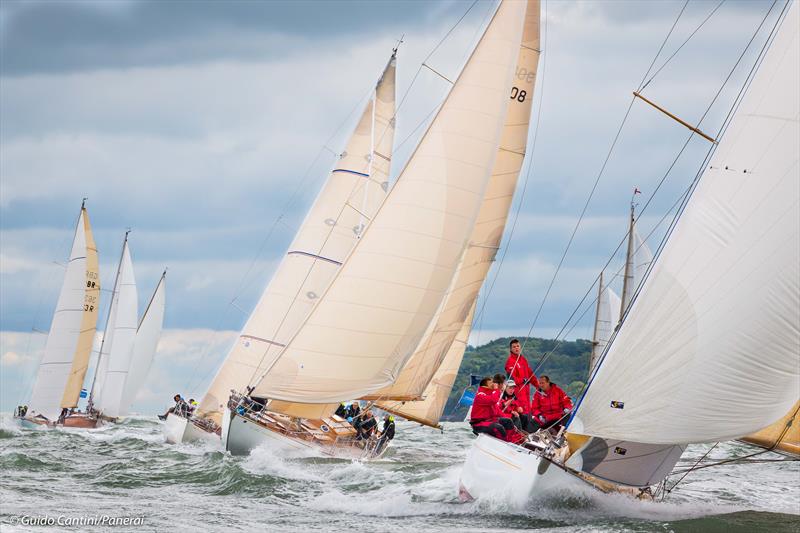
568,365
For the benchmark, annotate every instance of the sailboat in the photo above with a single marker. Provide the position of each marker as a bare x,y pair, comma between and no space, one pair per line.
782,437
60,375
610,307
128,347
335,223
395,293
708,349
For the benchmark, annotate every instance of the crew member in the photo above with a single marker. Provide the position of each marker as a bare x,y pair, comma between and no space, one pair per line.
180,408
387,433
512,409
486,414
551,405
517,369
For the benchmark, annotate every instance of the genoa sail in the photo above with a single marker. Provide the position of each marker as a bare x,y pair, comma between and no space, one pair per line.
333,225
709,348
144,345
485,239
429,410
69,342
117,346
381,301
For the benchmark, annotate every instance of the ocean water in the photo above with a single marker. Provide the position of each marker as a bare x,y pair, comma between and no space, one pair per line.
127,470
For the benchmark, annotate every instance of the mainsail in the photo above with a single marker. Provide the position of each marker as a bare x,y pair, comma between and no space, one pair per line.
335,223
69,342
377,308
709,349
488,231
144,345
117,345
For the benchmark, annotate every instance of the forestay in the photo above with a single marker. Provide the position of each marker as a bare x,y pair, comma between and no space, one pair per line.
709,350
373,316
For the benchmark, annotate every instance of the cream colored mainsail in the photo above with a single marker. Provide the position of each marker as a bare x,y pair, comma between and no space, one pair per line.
782,436
429,411
488,231
335,223
378,307
69,341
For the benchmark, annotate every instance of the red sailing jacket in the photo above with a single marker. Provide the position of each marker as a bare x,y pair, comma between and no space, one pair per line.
517,367
551,404
512,407
484,408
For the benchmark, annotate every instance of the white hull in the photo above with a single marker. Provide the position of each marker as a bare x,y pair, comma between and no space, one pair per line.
495,469
241,436
179,430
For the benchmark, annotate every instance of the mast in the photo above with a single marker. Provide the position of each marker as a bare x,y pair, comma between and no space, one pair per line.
90,403
595,341
627,282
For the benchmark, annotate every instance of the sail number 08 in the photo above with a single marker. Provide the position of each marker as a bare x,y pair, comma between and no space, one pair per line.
518,95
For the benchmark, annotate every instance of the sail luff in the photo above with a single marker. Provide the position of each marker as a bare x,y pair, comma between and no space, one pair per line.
74,318
709,349
374,313
487,234
329,231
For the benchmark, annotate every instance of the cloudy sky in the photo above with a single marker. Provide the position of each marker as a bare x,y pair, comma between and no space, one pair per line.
207,127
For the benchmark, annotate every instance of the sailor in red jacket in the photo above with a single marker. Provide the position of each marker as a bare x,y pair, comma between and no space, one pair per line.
517,368
551,405
486,415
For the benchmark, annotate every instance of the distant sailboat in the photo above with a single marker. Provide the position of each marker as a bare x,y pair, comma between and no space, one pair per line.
709,348
610,309
59,378
334,224
127,347
394,295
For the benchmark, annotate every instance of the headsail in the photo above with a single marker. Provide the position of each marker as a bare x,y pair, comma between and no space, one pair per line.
144,345
117,346
69,342
709,349
488,231
349,198
376,310
606,319
429,411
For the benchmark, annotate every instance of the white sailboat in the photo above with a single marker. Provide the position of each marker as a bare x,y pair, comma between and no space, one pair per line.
128,346
60,375
709,349
406,289
335,223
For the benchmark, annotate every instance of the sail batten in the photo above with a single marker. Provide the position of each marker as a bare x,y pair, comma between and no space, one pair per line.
709,348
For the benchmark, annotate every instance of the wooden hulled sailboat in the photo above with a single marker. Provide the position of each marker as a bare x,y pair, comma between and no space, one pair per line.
708,349
334,224
782,437
60,376
390,299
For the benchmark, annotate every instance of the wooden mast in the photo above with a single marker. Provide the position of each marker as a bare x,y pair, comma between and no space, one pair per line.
595,342
626,286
